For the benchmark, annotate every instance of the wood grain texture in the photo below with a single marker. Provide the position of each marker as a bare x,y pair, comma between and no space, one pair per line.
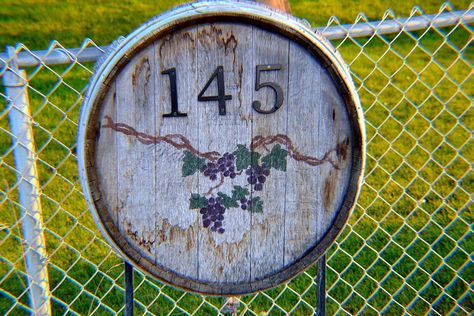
302,222
225,257
136,201
176,225
150,170
106,162
267,227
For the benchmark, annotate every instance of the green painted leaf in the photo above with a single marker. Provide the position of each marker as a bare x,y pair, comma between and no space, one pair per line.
238,193
245,157
242,157
227,201
256,205
276,158
191,164
196,201
255,158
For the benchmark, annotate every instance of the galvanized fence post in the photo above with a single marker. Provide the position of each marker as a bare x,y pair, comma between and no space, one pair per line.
15,82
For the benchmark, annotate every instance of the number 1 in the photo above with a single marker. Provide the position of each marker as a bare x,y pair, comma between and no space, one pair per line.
174,94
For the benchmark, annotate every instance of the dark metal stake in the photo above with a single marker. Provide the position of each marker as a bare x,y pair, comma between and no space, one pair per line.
128,289
321,280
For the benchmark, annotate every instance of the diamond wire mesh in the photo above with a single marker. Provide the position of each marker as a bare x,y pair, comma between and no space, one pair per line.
408,246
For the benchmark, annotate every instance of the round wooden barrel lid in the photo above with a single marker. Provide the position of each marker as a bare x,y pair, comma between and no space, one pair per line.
221,147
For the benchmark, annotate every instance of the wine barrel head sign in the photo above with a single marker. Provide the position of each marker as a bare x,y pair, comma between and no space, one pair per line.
221,147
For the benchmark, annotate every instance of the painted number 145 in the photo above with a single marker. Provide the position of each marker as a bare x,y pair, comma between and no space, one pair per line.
221,97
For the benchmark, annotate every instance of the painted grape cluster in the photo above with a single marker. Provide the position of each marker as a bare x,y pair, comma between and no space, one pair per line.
224,166
257,175
213,215
242,162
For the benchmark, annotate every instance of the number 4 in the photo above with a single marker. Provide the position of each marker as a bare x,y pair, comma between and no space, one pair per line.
221,96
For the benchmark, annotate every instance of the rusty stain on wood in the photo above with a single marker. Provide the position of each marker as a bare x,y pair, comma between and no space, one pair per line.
224,247
141,75
329,191
215,34
342,149
167,40
167,233
141,238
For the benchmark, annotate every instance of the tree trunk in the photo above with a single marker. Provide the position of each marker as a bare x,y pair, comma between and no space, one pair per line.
282,5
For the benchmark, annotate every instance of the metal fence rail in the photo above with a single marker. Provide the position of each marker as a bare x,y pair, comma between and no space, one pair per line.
408,247
58,55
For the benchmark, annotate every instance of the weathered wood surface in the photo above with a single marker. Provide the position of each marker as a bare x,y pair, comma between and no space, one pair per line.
147,183
267,232
176,232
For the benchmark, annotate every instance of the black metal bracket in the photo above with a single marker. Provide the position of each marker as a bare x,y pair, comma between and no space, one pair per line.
321,281
128,289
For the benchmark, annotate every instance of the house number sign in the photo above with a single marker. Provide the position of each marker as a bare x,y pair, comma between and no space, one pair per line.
221,147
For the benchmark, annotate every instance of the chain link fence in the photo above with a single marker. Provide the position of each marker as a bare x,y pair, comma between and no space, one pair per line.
408,247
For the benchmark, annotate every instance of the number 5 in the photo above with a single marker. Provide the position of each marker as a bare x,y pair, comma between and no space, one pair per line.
257,105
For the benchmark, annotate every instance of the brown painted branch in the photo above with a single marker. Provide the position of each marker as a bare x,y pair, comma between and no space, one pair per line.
259,141
178,141
221,182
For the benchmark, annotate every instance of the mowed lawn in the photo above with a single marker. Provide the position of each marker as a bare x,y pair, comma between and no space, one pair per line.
408,245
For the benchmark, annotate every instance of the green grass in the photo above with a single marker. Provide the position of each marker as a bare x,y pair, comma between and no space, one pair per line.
408,244
36,23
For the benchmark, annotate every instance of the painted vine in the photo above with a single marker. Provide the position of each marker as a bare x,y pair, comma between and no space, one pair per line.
243,161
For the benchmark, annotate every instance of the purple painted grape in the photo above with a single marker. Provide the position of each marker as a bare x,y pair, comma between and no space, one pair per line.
257,176
213,214
224,166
